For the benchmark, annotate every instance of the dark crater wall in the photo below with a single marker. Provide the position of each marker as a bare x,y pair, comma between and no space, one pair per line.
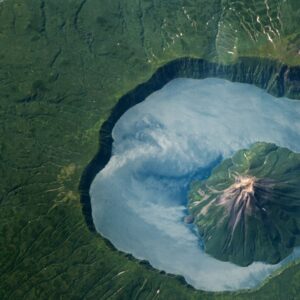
278,79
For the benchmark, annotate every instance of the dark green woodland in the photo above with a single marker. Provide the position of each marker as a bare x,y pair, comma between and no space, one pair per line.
68,70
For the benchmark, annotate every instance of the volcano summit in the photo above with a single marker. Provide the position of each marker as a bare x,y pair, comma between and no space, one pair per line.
249,208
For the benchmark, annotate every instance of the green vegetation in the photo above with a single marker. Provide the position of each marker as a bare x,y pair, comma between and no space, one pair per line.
63,67
249,208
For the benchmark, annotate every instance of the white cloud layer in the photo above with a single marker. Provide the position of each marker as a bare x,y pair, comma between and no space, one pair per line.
176,134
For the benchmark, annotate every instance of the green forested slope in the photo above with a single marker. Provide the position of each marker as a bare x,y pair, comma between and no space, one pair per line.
63,66
248,209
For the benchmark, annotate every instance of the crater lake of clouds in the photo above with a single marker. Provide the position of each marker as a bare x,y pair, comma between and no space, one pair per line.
177,134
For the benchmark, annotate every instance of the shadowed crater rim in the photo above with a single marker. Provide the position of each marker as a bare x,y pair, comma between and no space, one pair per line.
270,75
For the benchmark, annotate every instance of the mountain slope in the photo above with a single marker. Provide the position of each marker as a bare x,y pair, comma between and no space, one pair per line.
249,208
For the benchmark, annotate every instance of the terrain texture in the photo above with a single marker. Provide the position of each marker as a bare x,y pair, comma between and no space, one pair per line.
63,67
248,209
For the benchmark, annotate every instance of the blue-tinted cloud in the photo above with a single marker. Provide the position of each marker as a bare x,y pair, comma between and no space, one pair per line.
178,133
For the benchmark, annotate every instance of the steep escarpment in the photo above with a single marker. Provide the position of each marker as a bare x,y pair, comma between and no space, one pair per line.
276,78
249,208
